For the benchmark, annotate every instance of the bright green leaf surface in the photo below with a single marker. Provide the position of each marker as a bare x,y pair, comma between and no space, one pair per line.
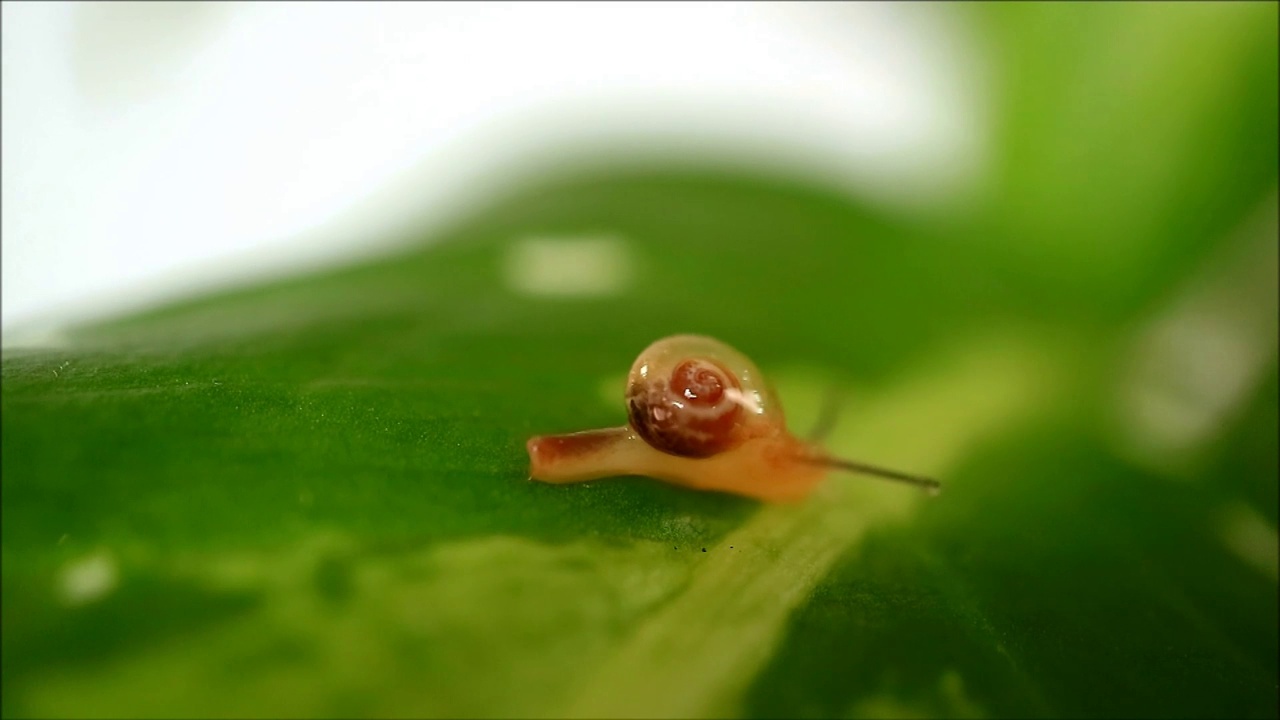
310,497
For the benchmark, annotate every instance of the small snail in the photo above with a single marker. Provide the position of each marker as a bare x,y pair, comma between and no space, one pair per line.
700,415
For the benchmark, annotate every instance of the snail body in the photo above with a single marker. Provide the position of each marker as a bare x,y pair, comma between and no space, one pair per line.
700,415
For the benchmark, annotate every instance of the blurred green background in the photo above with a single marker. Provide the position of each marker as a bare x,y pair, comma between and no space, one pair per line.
309,497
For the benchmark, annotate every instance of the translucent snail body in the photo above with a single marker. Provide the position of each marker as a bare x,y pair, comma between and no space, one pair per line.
701,416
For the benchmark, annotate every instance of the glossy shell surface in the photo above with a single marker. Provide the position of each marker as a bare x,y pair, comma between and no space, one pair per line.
694,396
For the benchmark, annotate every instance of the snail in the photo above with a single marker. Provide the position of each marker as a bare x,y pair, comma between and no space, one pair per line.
700,415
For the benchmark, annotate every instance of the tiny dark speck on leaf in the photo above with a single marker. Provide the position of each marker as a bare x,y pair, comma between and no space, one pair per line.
704,549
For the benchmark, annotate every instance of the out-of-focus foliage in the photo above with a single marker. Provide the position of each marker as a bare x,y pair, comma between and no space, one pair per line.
309,497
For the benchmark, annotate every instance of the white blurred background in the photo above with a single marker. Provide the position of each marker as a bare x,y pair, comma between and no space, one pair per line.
153,150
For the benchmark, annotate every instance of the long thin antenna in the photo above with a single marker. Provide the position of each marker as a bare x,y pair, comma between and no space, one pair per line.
929,484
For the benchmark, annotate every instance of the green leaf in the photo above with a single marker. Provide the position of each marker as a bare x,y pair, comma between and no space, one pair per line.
311,498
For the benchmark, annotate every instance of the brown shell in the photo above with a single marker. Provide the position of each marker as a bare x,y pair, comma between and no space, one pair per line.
695,397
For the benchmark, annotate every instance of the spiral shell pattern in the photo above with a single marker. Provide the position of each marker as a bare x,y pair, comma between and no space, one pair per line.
694,413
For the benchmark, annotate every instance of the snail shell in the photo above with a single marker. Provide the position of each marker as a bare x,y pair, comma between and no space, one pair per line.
694,396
